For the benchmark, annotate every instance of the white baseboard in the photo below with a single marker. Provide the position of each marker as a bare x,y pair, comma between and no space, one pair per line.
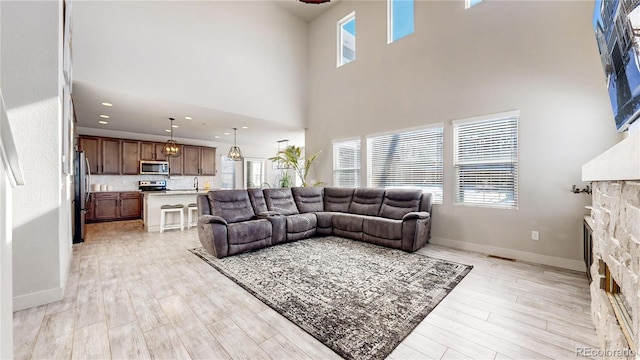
38,298
570,264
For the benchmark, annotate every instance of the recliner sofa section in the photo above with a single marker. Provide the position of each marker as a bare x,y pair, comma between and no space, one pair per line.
396,218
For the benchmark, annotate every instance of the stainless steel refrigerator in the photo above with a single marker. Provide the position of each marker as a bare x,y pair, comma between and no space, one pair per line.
82,186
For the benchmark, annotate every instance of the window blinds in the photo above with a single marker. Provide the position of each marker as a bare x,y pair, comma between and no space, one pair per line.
346,163
486,162
407,159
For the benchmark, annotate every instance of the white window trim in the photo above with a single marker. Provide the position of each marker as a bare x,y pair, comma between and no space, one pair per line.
339,37
495,116
415,128
390,21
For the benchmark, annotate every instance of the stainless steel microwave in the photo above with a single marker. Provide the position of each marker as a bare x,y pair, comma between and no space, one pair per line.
154,167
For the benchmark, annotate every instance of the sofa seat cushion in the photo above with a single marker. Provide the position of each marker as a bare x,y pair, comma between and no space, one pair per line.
308,199
232,205
248,231
301,222
281,201
383,228
337,199
366,201
399,202
348,222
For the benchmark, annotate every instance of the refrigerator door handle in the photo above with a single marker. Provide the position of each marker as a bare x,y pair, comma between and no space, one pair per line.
88,181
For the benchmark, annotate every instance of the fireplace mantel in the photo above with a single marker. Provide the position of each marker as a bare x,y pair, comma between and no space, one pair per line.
620,162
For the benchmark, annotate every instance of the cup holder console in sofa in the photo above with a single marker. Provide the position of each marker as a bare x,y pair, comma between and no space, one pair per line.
235,221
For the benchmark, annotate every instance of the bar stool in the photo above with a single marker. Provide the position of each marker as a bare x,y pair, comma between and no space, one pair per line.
164,210
192,220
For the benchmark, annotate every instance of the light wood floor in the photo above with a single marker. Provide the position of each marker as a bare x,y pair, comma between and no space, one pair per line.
132,294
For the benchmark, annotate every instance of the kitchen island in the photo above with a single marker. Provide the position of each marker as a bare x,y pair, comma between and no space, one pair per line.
153,200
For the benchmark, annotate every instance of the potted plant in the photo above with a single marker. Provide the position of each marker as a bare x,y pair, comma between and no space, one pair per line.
291,157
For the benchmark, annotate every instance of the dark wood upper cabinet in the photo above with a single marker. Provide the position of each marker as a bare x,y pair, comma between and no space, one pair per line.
175,164
199,160
91,148
191,160
151,151
130,157
111,156
207,161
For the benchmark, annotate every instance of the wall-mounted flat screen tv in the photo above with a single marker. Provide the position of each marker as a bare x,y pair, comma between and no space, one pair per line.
617,27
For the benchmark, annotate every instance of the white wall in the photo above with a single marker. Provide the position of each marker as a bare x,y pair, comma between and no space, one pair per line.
31,86
242,57
539,57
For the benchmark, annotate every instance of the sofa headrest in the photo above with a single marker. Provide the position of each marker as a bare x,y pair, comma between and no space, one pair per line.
231,205
281,201
337,199
308,199
398,202
366,201
257,200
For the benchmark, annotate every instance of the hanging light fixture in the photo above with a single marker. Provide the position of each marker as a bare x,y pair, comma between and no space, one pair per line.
314,1
234,153
171,148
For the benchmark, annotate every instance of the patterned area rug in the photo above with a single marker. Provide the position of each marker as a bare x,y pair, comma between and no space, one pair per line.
360,300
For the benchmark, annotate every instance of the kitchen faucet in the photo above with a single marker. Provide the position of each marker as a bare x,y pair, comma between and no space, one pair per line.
195,182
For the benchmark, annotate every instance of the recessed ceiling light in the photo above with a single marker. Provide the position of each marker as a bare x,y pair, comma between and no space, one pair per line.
188,118
107,104
217,137
245,127
167,130
103,122
227,134
174,126
105,116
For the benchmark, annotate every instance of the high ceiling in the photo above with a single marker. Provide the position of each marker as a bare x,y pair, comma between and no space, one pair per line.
142,114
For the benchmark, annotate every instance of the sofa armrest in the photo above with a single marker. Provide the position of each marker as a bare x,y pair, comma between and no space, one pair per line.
210,219
416,215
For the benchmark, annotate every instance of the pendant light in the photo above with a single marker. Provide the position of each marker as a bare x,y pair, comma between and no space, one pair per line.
234,153
171,148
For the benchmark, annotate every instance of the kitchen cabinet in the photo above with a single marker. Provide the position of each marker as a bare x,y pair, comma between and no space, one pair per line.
198,160
175,163
104,154
151,151
89,214
112,206
130,157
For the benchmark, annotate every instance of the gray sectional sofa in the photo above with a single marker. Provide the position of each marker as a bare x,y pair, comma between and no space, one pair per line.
235,221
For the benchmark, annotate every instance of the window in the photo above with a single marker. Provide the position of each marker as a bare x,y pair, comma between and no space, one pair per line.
409,159
399,19
470,3
228,173
346,163
486,161
347,39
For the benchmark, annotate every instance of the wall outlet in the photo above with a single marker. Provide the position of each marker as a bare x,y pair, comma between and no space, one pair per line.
534,235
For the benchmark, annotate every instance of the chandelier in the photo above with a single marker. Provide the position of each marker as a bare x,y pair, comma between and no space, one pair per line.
171,148
234,153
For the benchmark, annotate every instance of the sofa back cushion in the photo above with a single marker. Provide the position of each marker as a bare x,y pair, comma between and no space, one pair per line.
337,199
231,205
257,200
366,201
398,202
281,201
308,199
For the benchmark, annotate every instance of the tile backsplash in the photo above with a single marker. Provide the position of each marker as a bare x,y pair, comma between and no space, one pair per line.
130,182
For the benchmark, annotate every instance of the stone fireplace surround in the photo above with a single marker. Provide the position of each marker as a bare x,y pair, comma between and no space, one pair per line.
615,177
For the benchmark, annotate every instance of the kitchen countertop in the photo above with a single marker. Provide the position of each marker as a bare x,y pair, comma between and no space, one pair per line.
177,192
